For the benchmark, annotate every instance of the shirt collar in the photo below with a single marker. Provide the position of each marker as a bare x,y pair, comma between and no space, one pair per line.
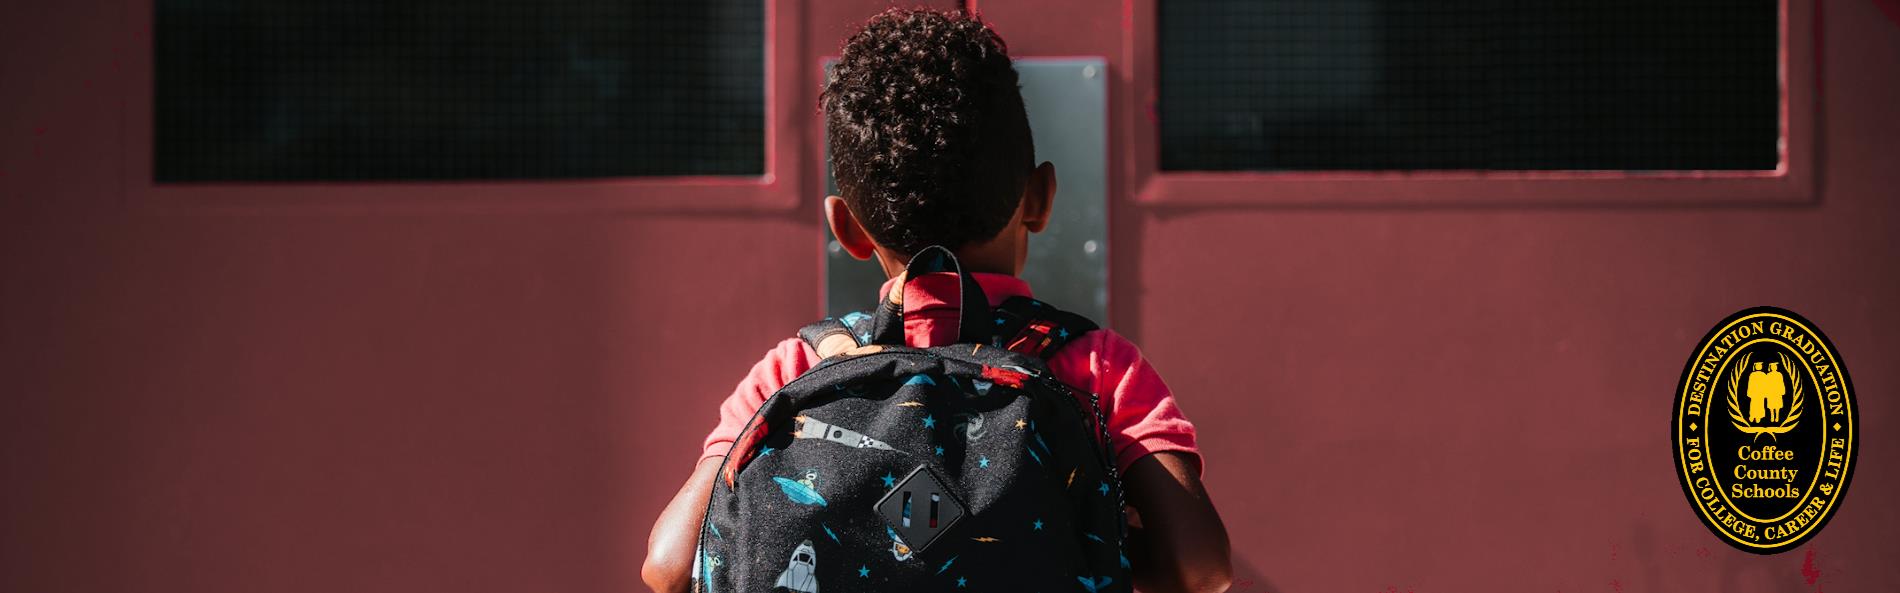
939,289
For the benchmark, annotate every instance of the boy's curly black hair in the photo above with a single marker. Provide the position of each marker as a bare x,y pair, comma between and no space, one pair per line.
929,141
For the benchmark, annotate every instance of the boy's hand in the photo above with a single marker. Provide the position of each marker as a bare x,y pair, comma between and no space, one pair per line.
836,344
1180,544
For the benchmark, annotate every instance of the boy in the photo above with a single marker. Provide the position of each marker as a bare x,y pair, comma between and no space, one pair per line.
931,146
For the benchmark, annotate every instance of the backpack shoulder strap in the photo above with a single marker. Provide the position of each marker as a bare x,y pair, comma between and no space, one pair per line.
856,324
1028,326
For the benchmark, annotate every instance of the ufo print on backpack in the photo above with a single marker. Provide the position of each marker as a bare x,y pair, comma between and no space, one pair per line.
803,490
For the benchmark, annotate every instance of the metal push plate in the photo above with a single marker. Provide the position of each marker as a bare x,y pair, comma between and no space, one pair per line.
1067,100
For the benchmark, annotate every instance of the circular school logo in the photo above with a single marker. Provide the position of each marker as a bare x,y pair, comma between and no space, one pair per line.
1764,430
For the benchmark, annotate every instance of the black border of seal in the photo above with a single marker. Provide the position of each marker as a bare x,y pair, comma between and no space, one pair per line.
1675,436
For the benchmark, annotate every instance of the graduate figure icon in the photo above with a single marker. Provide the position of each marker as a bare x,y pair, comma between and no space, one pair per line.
1773,399
1765,393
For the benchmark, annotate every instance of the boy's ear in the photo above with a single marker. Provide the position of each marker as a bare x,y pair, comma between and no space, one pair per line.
1039,196
845,227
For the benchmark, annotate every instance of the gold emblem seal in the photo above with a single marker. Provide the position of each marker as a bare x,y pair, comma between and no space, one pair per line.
1764,430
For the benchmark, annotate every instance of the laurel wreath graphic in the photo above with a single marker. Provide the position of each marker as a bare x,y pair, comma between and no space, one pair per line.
1740,420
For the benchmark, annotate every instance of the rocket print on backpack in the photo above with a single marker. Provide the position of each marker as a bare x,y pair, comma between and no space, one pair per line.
951,468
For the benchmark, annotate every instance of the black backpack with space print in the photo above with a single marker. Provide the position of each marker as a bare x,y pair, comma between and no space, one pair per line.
954,468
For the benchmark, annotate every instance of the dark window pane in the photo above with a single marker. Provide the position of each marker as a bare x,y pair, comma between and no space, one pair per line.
284,90
1487,84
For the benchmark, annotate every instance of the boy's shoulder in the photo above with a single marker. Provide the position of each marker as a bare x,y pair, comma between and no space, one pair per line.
1102,356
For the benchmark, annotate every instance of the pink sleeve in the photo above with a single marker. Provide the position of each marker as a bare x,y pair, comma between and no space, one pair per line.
784,362
1143,417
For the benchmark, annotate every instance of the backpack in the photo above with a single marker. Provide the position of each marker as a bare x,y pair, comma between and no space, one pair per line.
954,468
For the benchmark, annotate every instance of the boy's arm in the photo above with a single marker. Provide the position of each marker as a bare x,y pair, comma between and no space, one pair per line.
1179,545
669,563
1176,542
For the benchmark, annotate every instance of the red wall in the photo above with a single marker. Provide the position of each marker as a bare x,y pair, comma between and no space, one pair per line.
288,397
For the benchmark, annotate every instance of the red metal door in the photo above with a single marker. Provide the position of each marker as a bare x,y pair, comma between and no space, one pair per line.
1460,381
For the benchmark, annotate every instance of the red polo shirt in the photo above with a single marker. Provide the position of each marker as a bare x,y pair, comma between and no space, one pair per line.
1142,415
